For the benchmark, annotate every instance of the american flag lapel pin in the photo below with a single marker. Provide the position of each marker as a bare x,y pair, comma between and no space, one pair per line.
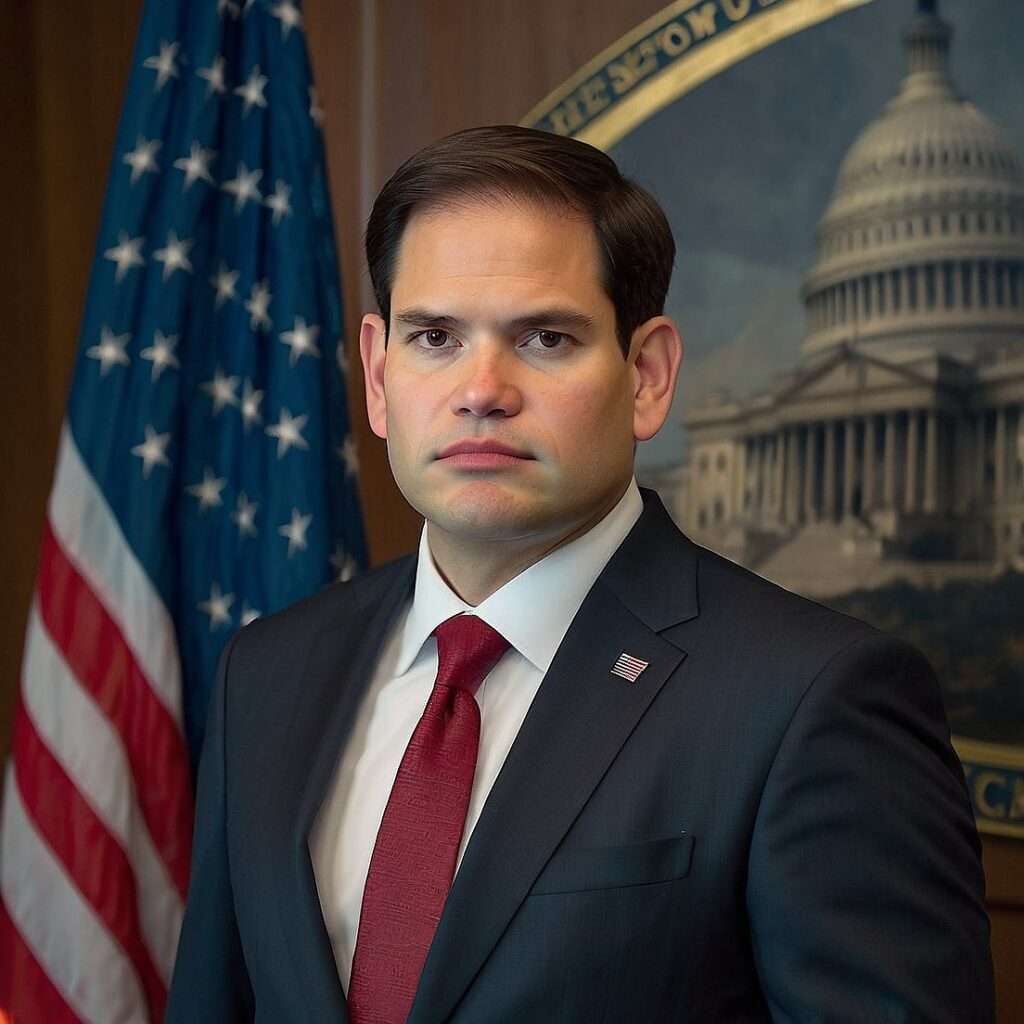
629,668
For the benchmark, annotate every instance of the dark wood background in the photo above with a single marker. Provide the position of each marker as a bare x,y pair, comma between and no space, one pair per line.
392,75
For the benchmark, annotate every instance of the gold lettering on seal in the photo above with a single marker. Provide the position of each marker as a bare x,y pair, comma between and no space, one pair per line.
1017,803
736,10
566,117
636,63
589,99
594,96
982,783
674,39
702,21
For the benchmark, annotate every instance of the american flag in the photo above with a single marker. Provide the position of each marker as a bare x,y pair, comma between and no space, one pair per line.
205,476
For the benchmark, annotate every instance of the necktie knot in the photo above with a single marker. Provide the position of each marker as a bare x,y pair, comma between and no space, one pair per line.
467,649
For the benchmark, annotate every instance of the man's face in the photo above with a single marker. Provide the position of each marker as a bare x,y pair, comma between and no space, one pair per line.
504,396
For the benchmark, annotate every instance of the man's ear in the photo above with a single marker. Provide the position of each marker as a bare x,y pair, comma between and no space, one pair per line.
656,352
373,351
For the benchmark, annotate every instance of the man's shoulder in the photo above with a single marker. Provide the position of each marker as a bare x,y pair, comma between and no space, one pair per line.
333,607
771,626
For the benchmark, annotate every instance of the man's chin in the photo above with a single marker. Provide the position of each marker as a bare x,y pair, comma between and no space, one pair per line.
489,514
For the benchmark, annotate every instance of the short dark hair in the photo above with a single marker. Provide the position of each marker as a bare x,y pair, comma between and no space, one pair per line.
507,161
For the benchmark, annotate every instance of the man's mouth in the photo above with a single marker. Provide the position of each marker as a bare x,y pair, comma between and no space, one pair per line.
481,454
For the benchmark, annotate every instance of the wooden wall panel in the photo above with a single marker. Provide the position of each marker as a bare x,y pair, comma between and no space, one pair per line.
392,75
63,76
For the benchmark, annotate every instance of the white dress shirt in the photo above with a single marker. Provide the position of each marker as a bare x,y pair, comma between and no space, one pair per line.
533,612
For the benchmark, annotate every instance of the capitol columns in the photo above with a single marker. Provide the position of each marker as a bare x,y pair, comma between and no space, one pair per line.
868,487
793,475
810,471
981,454
1000,454
931,462
889,467
828,495
849,465
910,494
740,479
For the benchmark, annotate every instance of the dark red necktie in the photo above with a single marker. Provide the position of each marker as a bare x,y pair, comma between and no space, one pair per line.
417,845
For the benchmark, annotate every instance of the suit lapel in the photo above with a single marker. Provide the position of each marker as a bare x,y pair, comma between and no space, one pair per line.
338,669
579,720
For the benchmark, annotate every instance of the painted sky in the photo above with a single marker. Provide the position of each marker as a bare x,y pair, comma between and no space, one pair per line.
745,164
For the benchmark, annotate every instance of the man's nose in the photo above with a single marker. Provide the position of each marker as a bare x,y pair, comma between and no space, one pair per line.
487,385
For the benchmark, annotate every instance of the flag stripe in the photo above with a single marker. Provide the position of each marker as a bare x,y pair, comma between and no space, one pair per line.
98,657
26,992
90,534
79,950
85,744
91,856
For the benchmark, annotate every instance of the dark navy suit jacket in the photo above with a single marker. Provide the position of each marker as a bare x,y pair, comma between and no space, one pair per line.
769,824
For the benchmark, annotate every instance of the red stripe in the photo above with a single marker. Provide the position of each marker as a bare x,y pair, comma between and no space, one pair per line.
27,995
92,857
97,655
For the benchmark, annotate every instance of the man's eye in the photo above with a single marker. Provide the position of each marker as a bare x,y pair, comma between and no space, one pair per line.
433,338
546,339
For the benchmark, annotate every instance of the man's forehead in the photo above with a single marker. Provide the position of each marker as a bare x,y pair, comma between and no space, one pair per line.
525,246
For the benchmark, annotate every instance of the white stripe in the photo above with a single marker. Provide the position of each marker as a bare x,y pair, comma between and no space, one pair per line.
92,537
72,946
90,750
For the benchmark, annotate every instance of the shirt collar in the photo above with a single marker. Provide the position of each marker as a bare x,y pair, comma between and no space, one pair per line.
534,610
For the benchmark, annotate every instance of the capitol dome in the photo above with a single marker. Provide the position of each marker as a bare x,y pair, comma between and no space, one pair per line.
922,244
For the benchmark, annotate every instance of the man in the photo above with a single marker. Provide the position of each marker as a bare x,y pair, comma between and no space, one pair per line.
667,790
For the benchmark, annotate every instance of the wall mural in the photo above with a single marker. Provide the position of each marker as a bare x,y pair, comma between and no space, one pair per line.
846,186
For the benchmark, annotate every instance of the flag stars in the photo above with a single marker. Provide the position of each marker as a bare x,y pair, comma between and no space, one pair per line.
161,353
279,201
224,282
214,77
163,64
126,254
110,350
142,159
244,186
152,451
228,7
349,455
257,305
301,339
295,531
248,615
251,399
222,390
288,14
174,255
244,516
207,491
196,165
217,606
316,112
343,563
288,431
251,90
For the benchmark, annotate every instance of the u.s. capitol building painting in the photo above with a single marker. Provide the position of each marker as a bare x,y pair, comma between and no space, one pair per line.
894,449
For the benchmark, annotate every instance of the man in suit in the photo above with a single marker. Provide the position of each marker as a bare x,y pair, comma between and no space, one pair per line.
671,791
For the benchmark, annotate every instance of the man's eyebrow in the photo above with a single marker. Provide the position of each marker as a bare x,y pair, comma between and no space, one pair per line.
417,316
554,317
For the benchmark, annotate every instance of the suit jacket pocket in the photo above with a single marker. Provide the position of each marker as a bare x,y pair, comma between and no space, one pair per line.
611,867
